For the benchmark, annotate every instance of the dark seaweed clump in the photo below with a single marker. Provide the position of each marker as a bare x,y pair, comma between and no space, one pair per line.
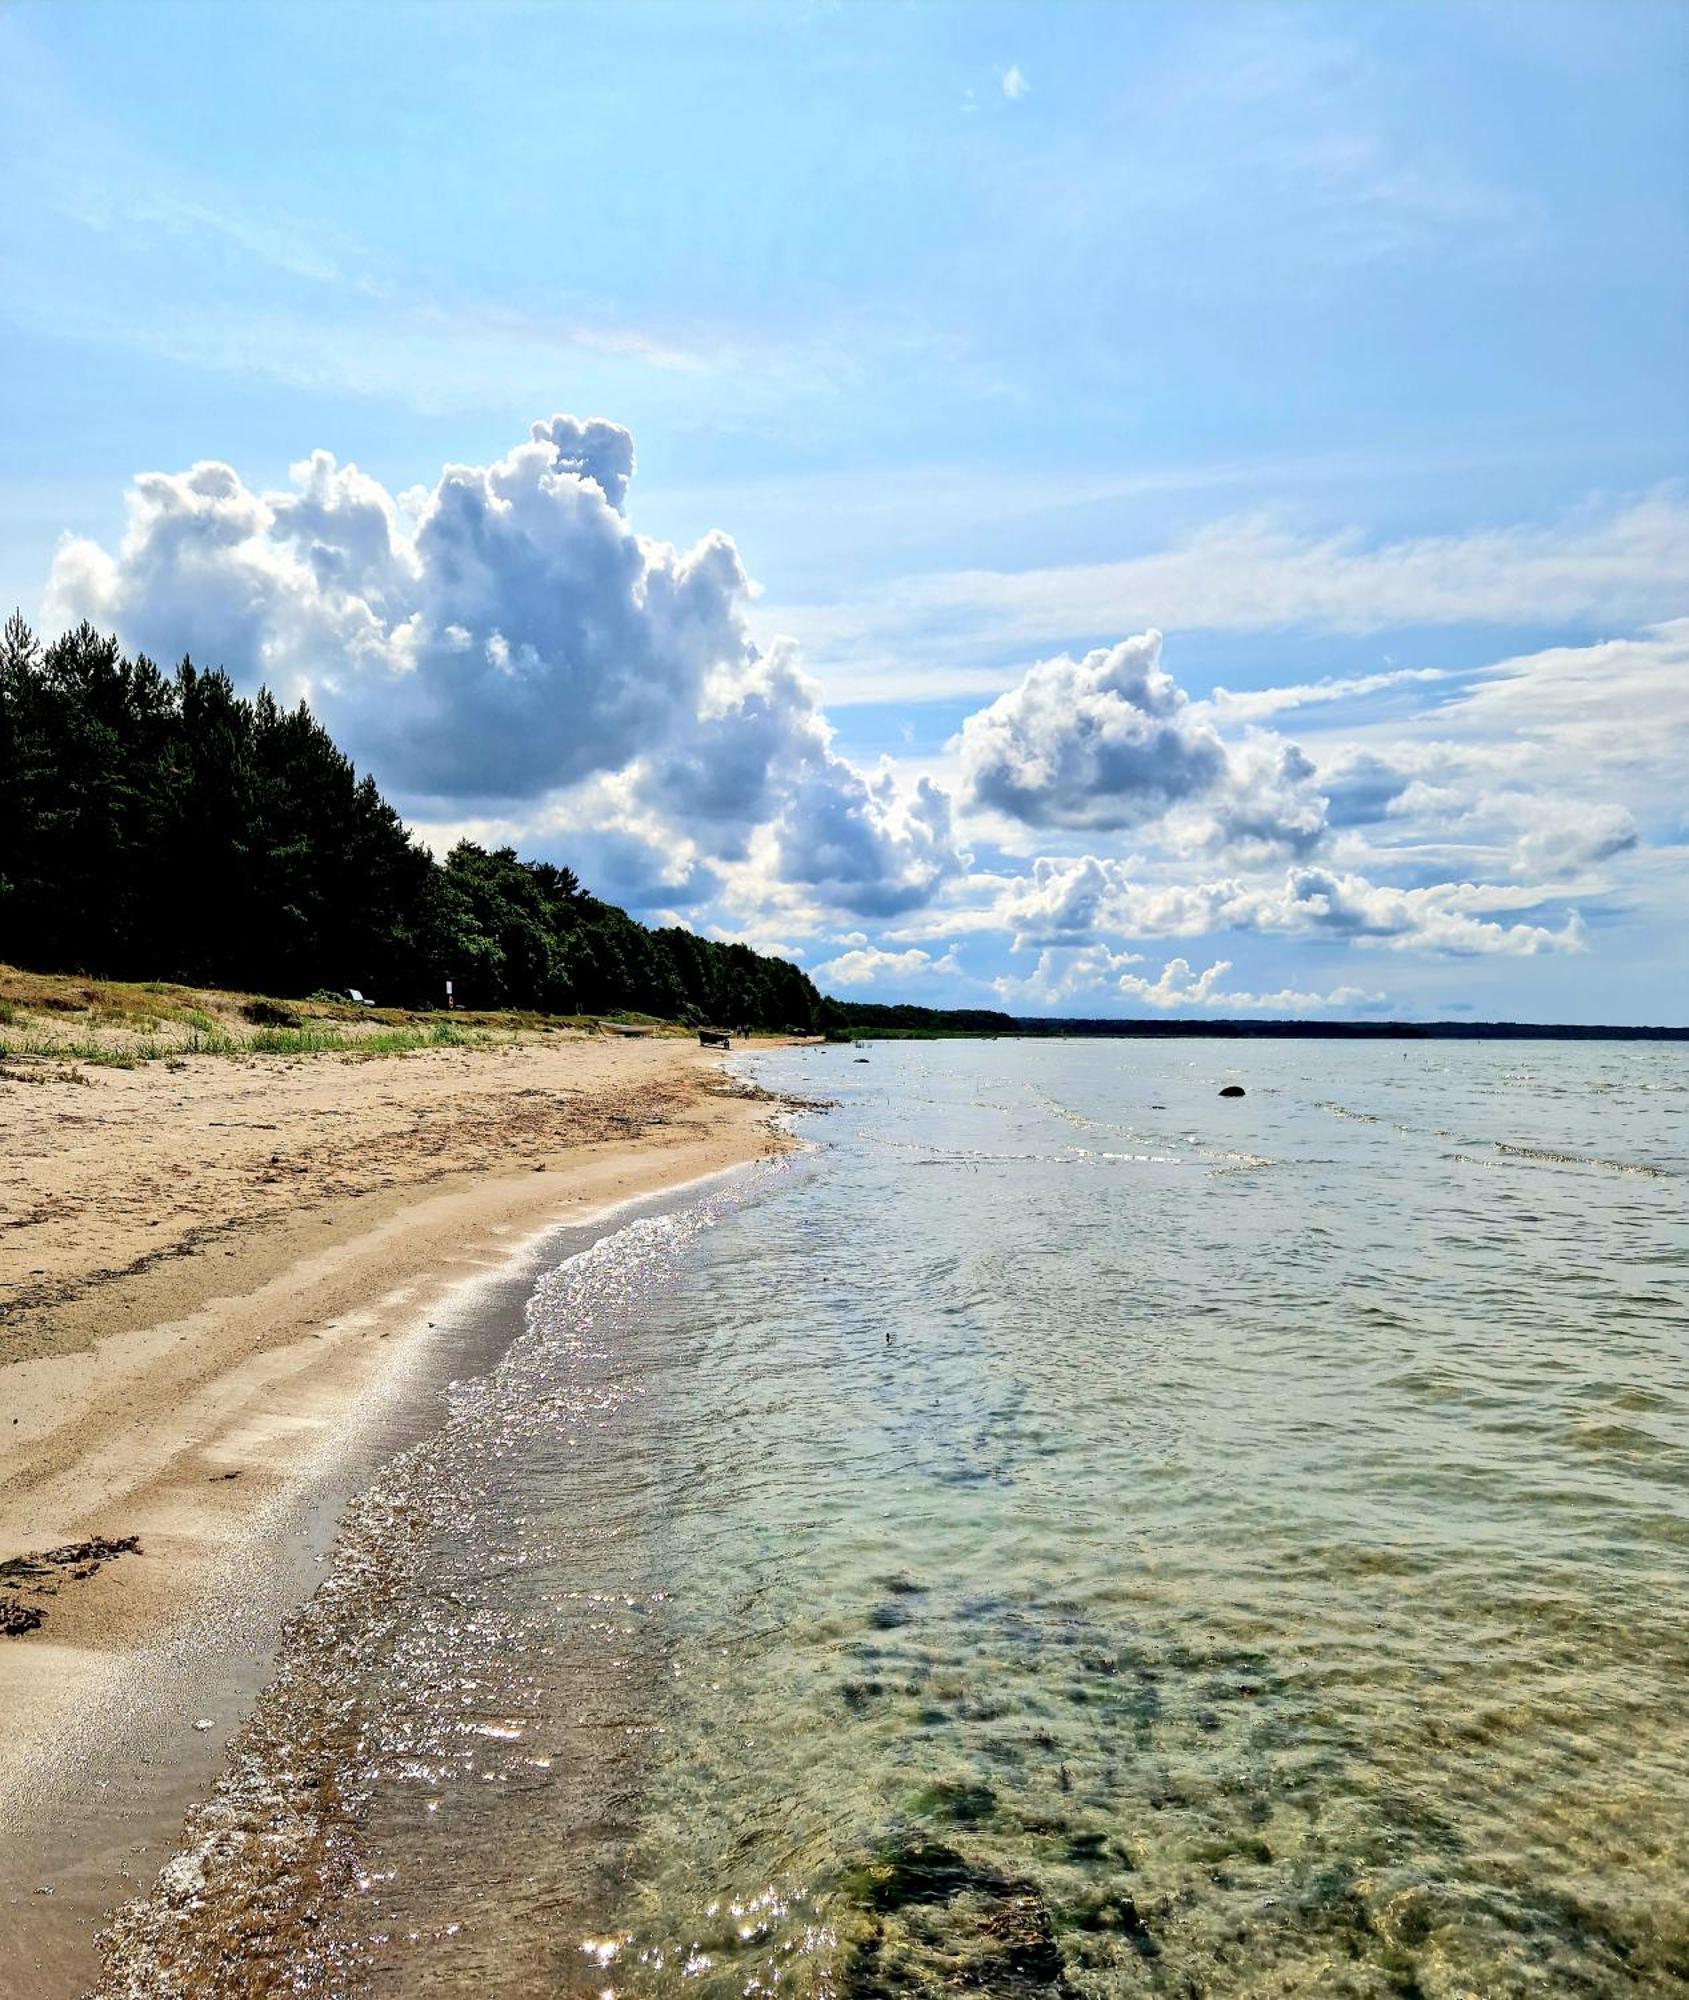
40,1575
939,1918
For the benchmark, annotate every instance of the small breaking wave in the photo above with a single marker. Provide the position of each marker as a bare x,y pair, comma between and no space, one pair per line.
1547,1156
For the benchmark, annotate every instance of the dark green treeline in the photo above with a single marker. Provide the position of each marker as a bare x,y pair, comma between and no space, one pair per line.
162,826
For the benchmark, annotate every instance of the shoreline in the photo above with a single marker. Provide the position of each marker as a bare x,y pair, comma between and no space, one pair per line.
226,1428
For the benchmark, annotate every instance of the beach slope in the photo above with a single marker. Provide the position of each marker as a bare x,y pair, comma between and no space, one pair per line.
212,1267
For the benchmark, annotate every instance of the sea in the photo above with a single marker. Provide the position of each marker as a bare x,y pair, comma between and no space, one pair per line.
1059,1531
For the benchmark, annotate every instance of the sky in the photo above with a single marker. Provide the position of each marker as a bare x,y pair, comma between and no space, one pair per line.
1131,509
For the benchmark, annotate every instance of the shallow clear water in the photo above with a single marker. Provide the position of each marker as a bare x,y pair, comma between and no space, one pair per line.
1065,1533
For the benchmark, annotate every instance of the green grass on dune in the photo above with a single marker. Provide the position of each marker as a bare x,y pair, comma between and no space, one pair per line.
206,1038
69,1020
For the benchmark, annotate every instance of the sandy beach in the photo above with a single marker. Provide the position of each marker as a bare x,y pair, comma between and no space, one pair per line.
213,1270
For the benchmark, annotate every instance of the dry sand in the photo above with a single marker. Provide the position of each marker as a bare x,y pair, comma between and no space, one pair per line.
206,1270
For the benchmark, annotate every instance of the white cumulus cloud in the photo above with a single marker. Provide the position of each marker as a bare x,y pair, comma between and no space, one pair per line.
870,966
1112,741
1105,741
523,637
1074,901
521,651
1064,976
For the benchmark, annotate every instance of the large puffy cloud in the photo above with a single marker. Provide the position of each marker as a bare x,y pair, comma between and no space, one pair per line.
866,843
757,731
523,637
1106,741
1268,803
507,644
546,640
759,756
200,569
1112,741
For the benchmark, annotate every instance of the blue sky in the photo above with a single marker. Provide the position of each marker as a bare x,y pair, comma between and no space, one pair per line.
1347,348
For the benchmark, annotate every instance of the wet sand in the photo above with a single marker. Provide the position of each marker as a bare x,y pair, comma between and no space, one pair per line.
231,1289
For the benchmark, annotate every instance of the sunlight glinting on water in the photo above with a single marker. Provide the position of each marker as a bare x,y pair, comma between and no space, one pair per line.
1065,1533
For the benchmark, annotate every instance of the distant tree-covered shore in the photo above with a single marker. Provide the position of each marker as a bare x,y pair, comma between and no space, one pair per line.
163,826
896,1022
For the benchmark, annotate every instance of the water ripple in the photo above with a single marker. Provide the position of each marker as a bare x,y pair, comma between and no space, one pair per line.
1086,1577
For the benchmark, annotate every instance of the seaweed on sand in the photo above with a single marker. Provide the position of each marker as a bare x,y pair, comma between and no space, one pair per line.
40,1574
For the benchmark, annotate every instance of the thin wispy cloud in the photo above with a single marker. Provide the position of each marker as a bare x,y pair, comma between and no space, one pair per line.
1627,564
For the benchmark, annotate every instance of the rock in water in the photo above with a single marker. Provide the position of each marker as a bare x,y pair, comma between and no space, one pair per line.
1233,1090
